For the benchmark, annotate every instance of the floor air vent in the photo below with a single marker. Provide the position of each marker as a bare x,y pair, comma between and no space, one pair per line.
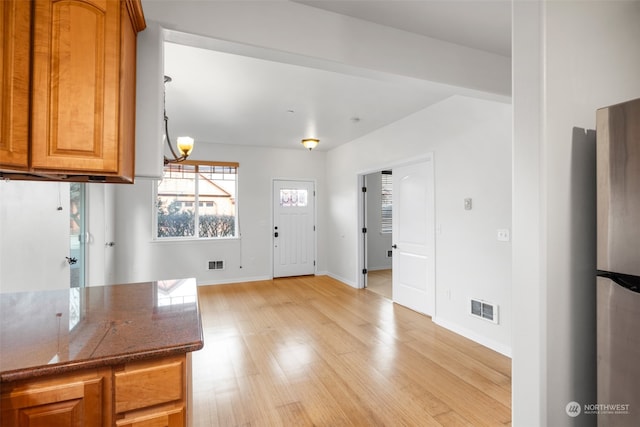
216,265
484,310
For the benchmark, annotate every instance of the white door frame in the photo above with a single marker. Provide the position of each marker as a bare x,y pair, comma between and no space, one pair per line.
429,157
315,221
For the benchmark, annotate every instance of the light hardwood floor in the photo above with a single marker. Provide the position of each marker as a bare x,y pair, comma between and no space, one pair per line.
379,281
311,351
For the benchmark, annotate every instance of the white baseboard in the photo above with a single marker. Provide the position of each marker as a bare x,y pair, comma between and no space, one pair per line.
343,280
473,336
233,280
384,267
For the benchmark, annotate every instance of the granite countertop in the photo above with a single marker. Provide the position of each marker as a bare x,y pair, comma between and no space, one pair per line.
52,332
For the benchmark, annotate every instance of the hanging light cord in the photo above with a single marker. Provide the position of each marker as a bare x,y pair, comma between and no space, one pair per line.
166,132
167,79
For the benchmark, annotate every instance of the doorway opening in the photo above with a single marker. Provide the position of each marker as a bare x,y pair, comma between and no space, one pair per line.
378,231
412,233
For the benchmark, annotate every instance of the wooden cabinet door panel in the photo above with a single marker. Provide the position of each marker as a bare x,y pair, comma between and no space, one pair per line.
57,414
67,404
15,21
75,95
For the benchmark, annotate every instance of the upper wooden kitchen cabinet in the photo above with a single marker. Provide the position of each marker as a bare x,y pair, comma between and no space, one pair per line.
15,46
82,89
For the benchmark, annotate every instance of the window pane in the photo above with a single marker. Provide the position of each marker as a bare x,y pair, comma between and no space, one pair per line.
77,229
217,192
386,202
293,198
175,202
197,197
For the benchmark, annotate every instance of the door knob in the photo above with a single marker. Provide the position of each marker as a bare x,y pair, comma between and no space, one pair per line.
394,246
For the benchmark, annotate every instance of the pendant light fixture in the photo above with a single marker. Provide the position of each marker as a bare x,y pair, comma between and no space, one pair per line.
184,143
310,143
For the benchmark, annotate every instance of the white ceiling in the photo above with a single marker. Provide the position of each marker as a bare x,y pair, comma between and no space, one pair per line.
480,24
226,98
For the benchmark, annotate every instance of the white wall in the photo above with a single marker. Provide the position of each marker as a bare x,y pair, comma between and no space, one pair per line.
139,258
377,243
570,58
34,236
471,142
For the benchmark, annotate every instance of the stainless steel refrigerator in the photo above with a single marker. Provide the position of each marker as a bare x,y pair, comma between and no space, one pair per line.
618,282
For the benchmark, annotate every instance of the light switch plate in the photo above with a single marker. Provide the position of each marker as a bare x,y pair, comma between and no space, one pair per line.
468,204
503,235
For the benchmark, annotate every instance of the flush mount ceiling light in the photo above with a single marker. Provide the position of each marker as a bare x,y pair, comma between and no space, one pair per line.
184,143
310,143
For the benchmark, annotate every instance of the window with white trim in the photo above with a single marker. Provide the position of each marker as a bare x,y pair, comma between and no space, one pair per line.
197,200
386,201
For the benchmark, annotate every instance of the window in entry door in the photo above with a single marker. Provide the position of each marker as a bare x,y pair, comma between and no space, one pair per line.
293,198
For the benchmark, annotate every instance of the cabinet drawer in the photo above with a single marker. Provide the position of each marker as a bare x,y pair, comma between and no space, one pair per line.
144,385
169,418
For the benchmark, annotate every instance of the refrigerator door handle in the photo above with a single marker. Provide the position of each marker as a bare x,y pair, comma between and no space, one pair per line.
625,280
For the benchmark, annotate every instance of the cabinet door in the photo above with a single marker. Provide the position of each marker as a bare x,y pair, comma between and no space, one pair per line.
67,403
76,90
15,17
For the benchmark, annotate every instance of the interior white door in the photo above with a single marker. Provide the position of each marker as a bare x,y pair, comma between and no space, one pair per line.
100,227
95,230
109,235
293,228
413,237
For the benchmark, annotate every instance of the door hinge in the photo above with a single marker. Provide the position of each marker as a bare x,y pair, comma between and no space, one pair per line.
364,229
314,228
364,189
364,271
314,263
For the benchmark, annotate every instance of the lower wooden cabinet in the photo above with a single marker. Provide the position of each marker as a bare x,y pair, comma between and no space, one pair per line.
151,393
70,400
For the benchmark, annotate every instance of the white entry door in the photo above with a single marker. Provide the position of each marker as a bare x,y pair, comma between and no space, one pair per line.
293,228
413,237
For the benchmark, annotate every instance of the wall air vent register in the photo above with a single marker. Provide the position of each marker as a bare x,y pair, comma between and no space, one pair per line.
216,265
484,310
